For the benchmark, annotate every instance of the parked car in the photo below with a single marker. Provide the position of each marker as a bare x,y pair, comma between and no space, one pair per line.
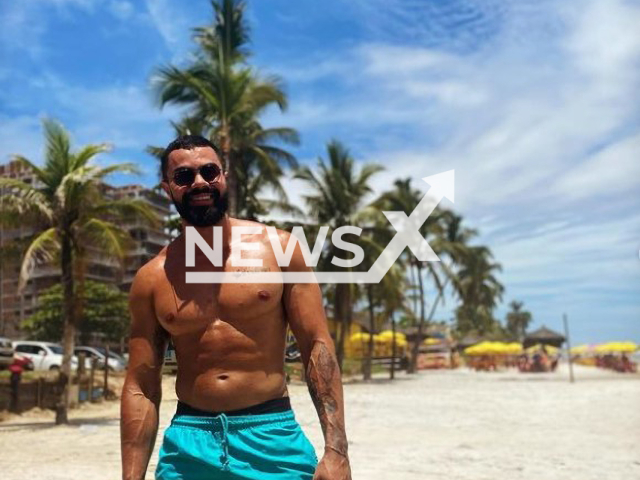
6,352
44,355
121,358
115,363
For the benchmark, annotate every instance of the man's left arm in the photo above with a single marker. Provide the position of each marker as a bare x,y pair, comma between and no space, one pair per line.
305,314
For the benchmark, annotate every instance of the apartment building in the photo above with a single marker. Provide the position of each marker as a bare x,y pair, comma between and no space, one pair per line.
16,306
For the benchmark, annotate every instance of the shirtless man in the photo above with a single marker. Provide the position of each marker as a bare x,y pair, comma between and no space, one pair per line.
234,420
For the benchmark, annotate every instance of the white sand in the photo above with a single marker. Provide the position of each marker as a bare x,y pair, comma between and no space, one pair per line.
454,425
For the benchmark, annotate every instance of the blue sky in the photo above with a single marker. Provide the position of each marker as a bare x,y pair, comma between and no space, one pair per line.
534,103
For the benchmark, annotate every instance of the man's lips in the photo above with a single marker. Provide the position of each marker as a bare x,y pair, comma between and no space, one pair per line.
201,199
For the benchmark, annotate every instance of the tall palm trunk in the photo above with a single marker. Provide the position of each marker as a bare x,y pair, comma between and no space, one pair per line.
337,318
392,372
415,350
66,266
232,180
439,297
367,362
342,302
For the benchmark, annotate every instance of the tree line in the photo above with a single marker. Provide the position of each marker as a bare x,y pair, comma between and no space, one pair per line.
224,98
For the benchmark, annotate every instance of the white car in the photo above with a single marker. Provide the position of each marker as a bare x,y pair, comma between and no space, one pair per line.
115,362
44,355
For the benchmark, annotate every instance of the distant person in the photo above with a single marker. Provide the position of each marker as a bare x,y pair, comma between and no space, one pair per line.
627,366
234,418
17,367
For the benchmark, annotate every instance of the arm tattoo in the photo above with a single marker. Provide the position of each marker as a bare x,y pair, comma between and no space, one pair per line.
325,388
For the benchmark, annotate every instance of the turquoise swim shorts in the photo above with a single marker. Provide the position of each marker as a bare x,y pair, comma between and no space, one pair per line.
269,446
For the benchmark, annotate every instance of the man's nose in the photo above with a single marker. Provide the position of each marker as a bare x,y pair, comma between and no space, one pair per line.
199,181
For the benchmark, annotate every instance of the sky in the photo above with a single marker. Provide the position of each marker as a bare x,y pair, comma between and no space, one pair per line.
533,103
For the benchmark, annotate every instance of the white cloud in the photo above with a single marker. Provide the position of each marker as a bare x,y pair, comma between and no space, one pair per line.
541,127
122,115
613,170
21,27
24,23
121,9
385,60
172,22
605,43
20,135
511,124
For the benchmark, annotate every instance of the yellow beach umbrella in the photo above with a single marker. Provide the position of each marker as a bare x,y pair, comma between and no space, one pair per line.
508,348
485,348
616,347
496,348
533,348
514,348
628,347
581,349
477,349
360,337
432,341
604,348
388,335
470,350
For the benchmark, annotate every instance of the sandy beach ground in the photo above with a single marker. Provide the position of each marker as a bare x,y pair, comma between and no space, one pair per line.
443,424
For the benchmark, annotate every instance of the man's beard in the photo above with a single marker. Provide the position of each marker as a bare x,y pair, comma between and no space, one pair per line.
203,215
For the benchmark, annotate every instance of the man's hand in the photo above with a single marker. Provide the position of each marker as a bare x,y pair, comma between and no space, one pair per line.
333,466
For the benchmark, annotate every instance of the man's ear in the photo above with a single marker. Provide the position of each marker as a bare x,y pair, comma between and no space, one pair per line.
165,186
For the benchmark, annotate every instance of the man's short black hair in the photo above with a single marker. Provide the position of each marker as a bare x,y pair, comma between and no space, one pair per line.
186,142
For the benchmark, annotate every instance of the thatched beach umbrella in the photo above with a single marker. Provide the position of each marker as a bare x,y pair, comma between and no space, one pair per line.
544,336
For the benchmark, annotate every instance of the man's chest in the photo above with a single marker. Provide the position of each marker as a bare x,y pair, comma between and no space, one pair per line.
185,308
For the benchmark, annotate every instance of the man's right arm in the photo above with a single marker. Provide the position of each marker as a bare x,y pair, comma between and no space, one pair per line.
142,389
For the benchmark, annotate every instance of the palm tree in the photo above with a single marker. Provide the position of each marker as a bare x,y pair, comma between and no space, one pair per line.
404,198
479,290
454,245
447,236
258,165
73,218
383,298
225,96
518,321
338,190
393,299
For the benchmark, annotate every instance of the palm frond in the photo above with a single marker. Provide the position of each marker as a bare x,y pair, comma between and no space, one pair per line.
106,236
125,209
26,163
42,249
58,148
21,202
85,154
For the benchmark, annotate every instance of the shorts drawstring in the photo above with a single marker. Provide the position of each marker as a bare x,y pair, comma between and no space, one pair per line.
224,458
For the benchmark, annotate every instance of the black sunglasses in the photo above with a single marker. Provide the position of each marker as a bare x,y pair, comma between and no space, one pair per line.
185,176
